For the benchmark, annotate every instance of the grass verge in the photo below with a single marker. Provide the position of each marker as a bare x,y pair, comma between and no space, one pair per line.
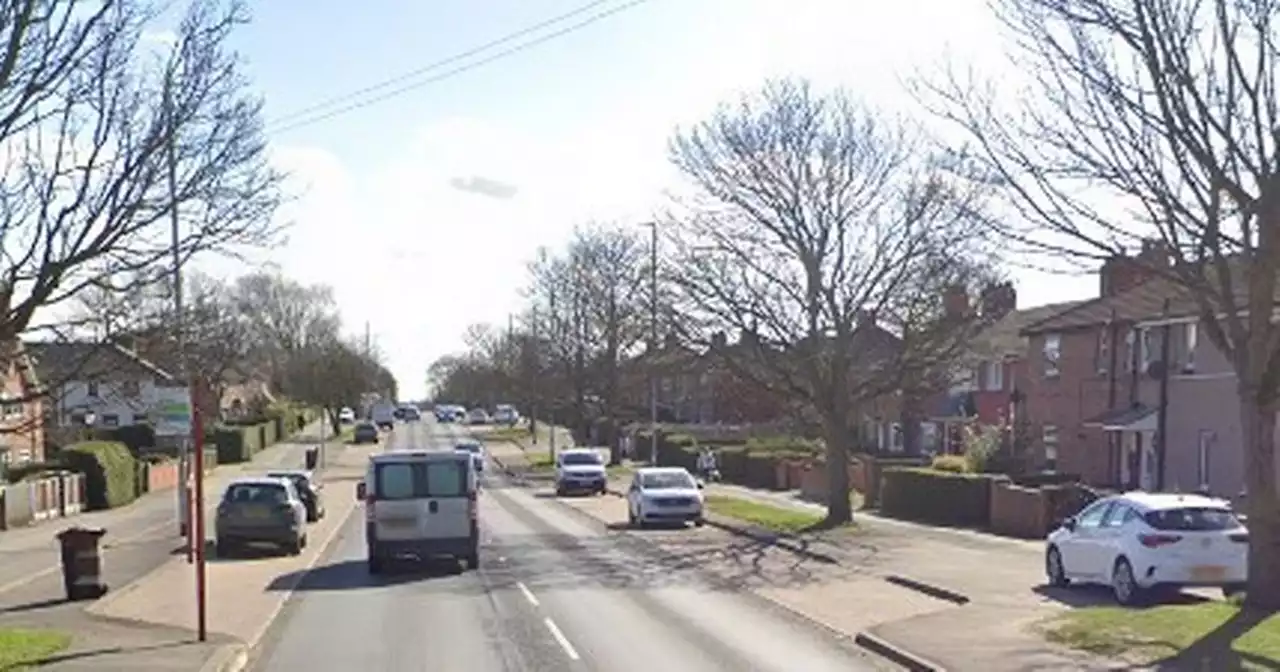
1211,635
22,649
769,517
517,433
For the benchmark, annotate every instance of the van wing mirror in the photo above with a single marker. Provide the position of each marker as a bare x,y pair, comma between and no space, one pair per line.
361,492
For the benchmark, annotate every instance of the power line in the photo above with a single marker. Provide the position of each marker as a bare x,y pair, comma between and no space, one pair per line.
436,65
307,120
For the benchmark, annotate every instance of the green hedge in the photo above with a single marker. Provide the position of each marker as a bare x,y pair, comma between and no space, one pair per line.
237,444
937,497
110,472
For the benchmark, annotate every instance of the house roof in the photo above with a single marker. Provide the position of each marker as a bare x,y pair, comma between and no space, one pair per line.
1144,301
1005,336
59,362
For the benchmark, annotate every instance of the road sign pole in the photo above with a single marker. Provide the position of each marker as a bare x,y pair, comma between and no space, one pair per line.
197,429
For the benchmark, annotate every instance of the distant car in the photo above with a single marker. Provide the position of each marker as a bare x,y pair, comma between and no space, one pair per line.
504,414
580,470
410,414
346,416
383,415
477,416
260,510
1140,542
476,450
308,489
398,413
664,495
365,432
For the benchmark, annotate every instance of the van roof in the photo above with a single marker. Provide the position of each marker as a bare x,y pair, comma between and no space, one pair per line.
417,456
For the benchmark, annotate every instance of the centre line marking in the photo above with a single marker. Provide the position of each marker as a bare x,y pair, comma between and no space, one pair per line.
528,594
564,641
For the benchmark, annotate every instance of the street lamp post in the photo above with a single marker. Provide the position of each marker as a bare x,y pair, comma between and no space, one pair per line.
653,342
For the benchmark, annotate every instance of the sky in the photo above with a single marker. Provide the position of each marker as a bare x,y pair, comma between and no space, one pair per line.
422,210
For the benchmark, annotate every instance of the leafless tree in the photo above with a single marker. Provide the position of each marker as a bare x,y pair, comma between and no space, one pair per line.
814,213
332,373
1152,120
102,137
284,317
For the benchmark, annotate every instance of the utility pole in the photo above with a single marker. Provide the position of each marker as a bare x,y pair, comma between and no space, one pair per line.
551,426
653,343
535,366
368,340
179,335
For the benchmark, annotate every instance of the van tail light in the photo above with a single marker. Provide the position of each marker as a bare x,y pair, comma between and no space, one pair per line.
1158,540
472,507
369,506
1240,537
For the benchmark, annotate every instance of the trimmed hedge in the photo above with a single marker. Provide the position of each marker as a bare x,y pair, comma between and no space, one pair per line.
110,472
937,497
137,437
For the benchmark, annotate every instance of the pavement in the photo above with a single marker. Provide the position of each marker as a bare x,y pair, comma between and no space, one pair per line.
140,538
555,591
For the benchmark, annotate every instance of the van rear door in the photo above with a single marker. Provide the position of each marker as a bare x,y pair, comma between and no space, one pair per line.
423,499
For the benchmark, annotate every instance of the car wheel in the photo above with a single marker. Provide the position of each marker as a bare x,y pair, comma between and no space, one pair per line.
631,517
223,548
1053,568
1124,587
302,543
294,547
472,561
560,492
699,521
374,564
1232,590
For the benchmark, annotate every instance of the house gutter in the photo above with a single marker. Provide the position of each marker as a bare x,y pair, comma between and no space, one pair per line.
1162,415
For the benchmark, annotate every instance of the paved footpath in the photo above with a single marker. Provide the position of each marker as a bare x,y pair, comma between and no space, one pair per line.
140,538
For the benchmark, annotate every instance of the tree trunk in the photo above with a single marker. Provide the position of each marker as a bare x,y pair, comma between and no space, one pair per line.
1259,423
839,511
334,421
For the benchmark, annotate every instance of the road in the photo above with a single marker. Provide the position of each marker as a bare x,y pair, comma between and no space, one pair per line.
553,592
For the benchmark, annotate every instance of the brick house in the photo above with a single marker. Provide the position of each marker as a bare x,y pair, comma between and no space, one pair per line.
21,411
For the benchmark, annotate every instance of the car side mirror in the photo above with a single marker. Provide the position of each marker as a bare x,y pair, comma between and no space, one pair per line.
701,485
1069,524
360,491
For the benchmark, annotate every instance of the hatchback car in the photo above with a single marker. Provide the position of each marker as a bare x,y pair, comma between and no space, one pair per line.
308,489
346,416
477,453
477,416
664,495
365,432
1140,542
260,510
580,470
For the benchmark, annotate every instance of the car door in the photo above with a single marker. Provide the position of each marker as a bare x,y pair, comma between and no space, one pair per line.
1077,547
448,492
1107,538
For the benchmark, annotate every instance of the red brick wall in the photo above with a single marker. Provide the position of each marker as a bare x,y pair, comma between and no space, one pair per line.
1019,512
162,476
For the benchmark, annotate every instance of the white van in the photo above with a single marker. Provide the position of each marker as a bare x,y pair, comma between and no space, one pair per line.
420,504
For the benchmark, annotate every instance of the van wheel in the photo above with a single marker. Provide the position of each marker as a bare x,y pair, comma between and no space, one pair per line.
374,564
295,547
472,560
302,543
223,548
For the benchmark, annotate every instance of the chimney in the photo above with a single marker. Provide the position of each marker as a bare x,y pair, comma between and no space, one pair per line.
718,340
998,300
955,302
1121,273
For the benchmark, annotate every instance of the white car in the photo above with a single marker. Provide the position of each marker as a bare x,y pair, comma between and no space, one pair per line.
1139,542
580,470
664,495
346,416
505,414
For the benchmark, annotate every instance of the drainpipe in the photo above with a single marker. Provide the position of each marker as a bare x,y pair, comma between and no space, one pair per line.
1113,438
1162,414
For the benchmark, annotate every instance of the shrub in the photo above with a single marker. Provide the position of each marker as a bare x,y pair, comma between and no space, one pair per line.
235,444
110,472
956,464
1043,478
938,497
137,437
789,445
981,444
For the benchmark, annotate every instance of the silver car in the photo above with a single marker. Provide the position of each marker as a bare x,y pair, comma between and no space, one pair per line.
664,495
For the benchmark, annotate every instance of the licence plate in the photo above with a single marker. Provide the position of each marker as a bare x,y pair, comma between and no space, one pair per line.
399,522
1208,573
256,513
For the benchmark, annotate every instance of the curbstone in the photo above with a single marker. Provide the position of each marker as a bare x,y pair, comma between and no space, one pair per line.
227,658
895,654
936,592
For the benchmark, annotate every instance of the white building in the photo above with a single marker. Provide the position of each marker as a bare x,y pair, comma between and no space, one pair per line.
113,383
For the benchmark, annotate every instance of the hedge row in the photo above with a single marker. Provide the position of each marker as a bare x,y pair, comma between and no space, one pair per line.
753,463
937,497
240,441
110,472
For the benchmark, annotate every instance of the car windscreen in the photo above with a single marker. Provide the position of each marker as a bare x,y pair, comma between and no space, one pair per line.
667,480
580,458
1192,519
418,480
468,447
256,493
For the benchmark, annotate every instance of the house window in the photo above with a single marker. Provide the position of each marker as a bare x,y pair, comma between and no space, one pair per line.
1130,351
1049,439
1190,338
1204,450
1052,354
110,420
895,432
1102,355
131,388
995,376
93,389
12,409
1150,342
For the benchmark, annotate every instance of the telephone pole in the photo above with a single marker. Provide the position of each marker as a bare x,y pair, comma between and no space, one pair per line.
179,335
653,343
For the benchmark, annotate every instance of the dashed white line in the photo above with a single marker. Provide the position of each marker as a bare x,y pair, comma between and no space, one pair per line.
562,640
528,594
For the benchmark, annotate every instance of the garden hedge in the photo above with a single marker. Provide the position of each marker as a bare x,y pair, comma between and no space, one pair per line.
936,497
110,472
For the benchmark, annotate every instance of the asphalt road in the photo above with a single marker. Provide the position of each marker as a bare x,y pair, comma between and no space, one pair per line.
554,592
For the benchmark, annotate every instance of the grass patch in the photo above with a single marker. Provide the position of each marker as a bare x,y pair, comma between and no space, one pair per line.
514,434
770,517
1211,635
347,435
22,649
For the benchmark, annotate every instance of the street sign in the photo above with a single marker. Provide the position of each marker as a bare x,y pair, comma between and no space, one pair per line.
171,411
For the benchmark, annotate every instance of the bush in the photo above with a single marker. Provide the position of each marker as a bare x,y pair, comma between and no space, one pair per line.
1043,478
236,444
137,437
788,445
937,497
110,472
956,464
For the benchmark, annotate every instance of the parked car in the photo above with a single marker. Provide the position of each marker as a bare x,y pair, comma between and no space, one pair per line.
1139,542
664,495
365,432
260,510
420,504
476,450
410,413
505,414
580,470
383,415
477,416
346,416
308,489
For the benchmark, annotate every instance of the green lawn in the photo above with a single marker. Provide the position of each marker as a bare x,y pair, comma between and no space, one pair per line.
1211,635
518,433
25,649
767,516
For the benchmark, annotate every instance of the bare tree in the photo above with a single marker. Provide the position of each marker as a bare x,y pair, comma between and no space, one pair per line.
284,317
814,214
332,374
1152,120
101,140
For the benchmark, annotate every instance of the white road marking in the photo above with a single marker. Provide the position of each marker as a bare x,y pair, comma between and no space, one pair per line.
528,594
562,640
